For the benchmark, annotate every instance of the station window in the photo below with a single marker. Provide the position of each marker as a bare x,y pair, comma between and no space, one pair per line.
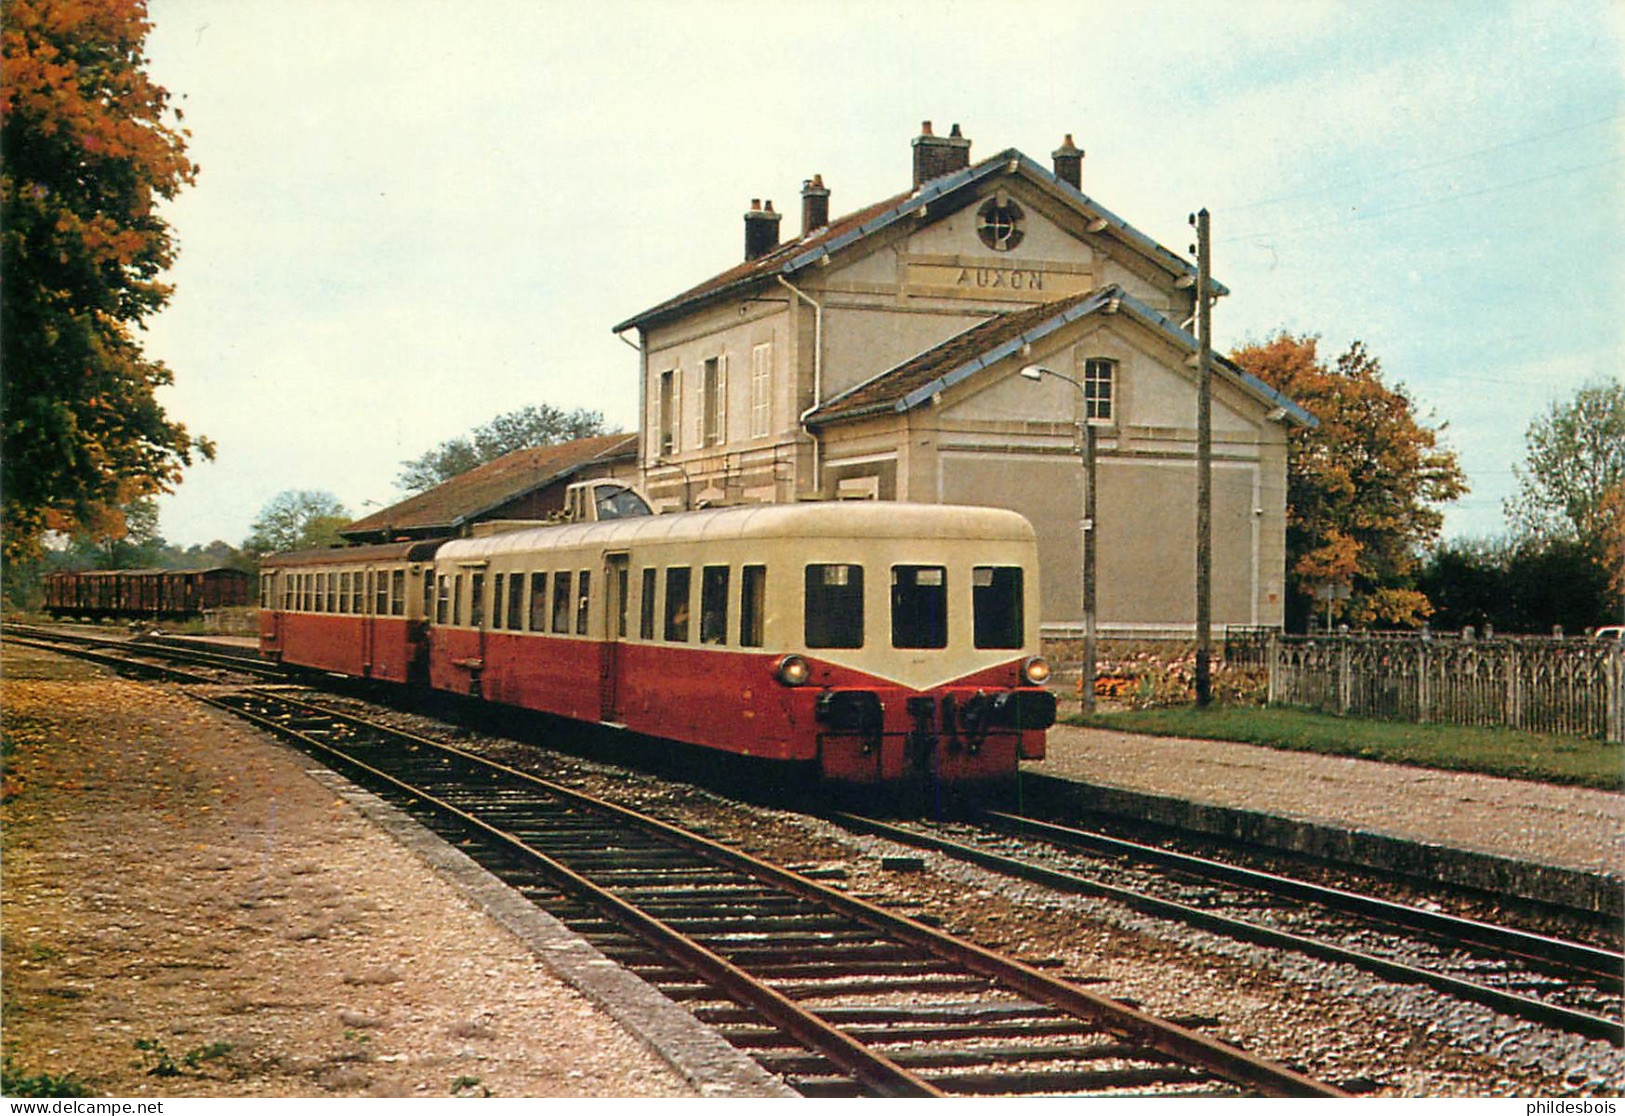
1098,375
516,602
397,593
561,602
677,584
919,606
752,605
646,606
834,606
583,598
538,602
996,604
714,604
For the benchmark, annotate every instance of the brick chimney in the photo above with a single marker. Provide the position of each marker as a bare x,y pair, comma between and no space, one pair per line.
1069,163
761,229
935,156
814,204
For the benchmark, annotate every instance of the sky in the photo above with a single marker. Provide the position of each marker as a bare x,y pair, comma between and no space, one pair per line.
415,215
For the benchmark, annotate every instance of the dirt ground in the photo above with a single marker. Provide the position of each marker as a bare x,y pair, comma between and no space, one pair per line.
187,913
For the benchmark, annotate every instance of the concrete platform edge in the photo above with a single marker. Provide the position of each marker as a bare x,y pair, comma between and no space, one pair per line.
1570,888
702,1056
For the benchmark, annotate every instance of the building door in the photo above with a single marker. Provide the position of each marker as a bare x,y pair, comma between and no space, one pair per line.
616,580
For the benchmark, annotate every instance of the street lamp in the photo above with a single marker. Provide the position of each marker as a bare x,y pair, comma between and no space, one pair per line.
1086,452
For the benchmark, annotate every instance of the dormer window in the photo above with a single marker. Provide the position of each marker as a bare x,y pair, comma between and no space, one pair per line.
998,223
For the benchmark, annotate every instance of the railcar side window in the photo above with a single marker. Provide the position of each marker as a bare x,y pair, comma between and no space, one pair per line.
397,592
677,583
538,602
516,602
583,584
714,604
456,600
499,582
332,591
561,602
380,597
919,606
996,602
428,594
752,605
646,606
442,609
834,606
476,600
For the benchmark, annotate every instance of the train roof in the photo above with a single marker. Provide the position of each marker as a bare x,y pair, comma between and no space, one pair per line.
147,571
417,550
860,519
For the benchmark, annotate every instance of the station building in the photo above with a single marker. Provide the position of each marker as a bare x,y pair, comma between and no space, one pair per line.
880,356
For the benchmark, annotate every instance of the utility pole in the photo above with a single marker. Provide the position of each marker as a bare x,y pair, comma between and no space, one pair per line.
1204,464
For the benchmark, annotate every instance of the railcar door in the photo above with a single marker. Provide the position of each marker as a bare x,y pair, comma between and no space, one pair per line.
616,579
367,609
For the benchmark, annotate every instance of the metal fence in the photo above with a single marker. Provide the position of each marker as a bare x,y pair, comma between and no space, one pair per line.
1572,686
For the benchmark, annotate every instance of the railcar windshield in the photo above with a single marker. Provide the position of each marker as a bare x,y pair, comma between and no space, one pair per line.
834,605
919,607
996,602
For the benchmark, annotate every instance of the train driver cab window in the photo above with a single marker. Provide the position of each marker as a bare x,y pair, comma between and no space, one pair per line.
646,606
752,605
583,599
677,584
834,606
996,603
397,592
714,604
561,602
919,606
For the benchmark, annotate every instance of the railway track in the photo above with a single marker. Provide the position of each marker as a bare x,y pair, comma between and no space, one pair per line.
839,997
1561,984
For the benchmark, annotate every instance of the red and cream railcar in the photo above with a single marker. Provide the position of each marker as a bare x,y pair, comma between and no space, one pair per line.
880,641
359,611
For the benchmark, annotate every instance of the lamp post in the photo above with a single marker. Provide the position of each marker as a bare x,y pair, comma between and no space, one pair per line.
1086,452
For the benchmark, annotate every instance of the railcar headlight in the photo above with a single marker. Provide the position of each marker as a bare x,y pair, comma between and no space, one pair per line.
1036,670
792,670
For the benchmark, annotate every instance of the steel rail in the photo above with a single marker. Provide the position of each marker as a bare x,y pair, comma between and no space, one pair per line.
872,1069
1568,1019
1191,1047
1601,964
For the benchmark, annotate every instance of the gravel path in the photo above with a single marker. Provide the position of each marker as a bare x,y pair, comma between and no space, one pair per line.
174,880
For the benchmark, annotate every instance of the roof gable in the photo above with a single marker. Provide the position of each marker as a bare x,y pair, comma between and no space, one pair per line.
921,377
853,229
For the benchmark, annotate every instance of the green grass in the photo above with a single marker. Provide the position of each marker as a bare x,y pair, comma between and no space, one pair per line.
1491,751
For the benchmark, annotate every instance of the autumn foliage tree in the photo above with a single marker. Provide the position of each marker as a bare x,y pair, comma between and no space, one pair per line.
1363,487
90,147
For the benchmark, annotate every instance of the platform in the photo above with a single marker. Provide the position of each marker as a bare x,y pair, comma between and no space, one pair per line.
1561,845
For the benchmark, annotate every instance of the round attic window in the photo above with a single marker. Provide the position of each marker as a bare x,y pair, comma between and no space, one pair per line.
998,223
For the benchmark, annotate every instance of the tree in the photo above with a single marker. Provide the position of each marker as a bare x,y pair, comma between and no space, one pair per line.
526,428
1362,487
297,520
1574,457
89,148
